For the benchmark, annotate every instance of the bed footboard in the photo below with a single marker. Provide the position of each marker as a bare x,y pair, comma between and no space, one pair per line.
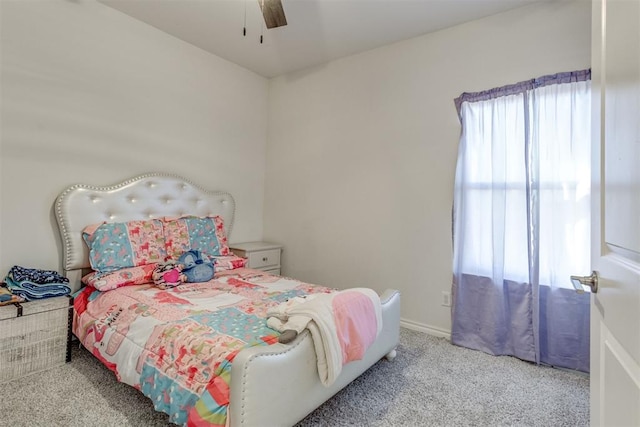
279,385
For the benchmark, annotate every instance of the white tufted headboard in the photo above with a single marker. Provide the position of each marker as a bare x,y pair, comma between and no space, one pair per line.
152,195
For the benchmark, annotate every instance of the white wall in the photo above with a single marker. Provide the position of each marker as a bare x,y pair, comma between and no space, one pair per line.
362,151
90,95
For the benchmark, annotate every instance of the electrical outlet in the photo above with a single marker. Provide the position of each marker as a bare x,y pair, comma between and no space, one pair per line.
446,299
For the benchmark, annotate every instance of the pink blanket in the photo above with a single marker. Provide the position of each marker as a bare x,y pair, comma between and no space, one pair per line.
342,324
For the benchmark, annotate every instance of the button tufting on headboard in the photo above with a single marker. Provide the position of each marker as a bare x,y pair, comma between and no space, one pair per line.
145,197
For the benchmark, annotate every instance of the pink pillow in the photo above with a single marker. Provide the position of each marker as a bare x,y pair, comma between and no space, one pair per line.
204,234
119,278
230,262
116,245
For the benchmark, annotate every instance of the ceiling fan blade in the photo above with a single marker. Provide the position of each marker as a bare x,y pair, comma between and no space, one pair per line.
273,13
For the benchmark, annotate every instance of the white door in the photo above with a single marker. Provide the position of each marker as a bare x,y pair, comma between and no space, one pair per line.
615,308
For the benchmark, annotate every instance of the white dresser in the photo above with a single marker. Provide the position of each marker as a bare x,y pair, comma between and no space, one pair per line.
261,255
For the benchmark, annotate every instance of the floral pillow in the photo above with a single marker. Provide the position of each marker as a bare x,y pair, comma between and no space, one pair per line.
117,245
204,234
119,278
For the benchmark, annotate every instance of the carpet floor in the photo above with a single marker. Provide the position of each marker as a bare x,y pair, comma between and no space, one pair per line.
429,383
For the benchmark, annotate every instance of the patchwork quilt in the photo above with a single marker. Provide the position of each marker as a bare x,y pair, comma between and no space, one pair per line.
176,345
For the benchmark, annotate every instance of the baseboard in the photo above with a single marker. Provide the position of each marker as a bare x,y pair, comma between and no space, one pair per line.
427,329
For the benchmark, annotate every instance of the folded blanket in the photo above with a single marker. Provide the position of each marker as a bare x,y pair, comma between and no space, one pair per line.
30,291
34,275
342,324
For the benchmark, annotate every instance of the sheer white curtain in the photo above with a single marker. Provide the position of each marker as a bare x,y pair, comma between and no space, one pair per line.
561,131
521,220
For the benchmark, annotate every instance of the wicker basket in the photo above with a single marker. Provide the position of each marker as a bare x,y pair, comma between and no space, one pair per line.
34,336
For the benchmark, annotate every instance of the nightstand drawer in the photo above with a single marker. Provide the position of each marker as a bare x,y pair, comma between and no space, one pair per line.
261,259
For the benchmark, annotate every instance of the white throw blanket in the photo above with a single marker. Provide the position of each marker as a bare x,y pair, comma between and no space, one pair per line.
342,324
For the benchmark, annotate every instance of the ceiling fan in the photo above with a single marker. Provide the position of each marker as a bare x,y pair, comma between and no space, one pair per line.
273,13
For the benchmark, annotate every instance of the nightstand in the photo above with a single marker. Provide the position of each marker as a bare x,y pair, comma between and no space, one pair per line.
261,255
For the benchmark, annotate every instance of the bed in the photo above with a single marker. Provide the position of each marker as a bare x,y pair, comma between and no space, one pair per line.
274,384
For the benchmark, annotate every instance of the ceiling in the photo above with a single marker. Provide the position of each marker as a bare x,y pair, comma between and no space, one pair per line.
318,31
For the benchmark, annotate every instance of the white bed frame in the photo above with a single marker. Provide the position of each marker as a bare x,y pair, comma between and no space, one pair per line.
275,385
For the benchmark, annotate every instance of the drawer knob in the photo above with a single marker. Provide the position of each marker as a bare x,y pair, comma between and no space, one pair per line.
265,259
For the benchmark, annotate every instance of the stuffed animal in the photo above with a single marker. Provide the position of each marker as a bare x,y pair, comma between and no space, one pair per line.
168,275
198,267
